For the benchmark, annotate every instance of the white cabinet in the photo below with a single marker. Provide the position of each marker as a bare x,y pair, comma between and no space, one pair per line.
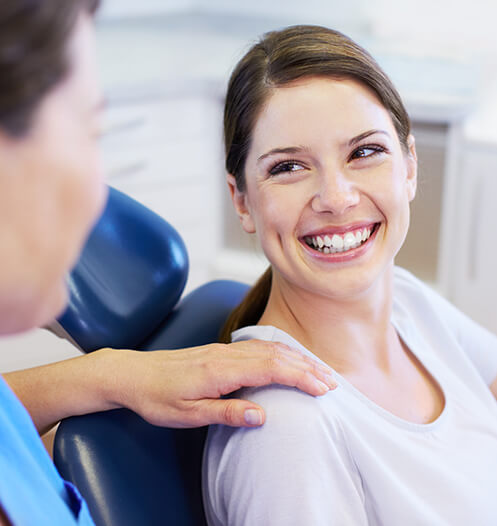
165,151
474,254
419,253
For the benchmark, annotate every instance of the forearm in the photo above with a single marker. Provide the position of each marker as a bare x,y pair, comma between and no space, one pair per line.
70,387
180,388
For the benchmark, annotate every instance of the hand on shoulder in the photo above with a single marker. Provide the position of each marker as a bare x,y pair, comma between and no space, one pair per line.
183,388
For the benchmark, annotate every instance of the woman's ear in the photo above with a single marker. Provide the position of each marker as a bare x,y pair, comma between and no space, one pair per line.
412,168
239,200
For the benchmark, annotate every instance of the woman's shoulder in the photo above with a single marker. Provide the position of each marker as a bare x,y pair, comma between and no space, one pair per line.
279,459
296,424
286,406
413,296
420,304
404,281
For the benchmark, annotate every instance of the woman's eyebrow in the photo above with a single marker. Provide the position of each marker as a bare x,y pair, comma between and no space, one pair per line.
361,136
300,149
289,149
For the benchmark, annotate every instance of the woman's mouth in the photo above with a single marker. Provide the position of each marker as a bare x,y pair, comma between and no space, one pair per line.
341,242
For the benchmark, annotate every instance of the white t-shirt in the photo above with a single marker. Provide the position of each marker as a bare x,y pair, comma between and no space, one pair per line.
341,460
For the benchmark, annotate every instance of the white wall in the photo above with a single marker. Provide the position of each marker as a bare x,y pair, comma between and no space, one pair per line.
334,13
32,348
458,28
126,8
452,27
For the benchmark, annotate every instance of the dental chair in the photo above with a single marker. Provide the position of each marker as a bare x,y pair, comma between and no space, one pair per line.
123,294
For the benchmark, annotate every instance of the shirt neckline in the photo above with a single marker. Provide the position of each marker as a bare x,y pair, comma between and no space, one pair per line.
270,332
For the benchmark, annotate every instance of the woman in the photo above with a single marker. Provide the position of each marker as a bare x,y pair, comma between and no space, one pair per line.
51,193
322,166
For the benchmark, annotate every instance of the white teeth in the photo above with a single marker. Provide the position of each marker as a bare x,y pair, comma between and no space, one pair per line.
348,240
337,242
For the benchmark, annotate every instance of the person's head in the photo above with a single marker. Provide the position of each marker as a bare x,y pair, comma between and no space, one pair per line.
51,190
318,148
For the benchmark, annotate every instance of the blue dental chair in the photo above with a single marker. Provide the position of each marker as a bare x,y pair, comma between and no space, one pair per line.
123,294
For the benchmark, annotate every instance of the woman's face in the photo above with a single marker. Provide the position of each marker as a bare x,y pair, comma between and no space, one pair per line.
51,193
328,186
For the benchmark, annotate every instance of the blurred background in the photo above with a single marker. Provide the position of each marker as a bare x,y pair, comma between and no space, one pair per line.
164,65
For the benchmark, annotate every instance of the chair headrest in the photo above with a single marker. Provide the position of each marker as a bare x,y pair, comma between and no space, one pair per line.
129,471
130,275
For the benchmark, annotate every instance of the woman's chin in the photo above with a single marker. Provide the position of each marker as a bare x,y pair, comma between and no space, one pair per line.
54,304
30,311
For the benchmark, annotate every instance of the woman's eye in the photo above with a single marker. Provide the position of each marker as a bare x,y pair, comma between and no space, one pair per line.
364,152
286,166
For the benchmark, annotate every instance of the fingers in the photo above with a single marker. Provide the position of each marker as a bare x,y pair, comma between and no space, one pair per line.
264,363
233,412
182,388
276,352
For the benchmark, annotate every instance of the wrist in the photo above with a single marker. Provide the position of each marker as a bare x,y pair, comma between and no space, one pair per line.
113,374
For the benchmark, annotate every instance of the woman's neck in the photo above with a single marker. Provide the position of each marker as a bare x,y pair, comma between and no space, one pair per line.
347,333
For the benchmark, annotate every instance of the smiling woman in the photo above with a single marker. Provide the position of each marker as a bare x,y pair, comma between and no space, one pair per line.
322,167
333,188
282,59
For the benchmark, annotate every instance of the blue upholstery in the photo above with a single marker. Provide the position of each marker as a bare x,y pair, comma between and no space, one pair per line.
131,273
130,472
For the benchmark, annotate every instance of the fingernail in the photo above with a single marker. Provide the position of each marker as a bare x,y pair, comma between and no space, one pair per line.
253,417
332,383
322,386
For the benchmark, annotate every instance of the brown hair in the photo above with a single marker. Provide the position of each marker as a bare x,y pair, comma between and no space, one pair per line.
280,58
33,54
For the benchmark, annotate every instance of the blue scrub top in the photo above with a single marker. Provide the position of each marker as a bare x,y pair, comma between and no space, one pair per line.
31,490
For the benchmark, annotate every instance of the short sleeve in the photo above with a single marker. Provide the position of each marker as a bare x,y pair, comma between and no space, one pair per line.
478,343
294,470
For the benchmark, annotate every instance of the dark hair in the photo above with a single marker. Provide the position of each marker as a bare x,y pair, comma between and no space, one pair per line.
280,58
33,54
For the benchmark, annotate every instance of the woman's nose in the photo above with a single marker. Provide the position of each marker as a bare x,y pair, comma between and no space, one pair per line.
336,193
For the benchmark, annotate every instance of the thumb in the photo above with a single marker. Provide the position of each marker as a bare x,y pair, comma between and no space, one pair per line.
233,412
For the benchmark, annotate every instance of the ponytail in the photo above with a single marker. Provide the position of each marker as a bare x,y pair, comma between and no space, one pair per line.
250,309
